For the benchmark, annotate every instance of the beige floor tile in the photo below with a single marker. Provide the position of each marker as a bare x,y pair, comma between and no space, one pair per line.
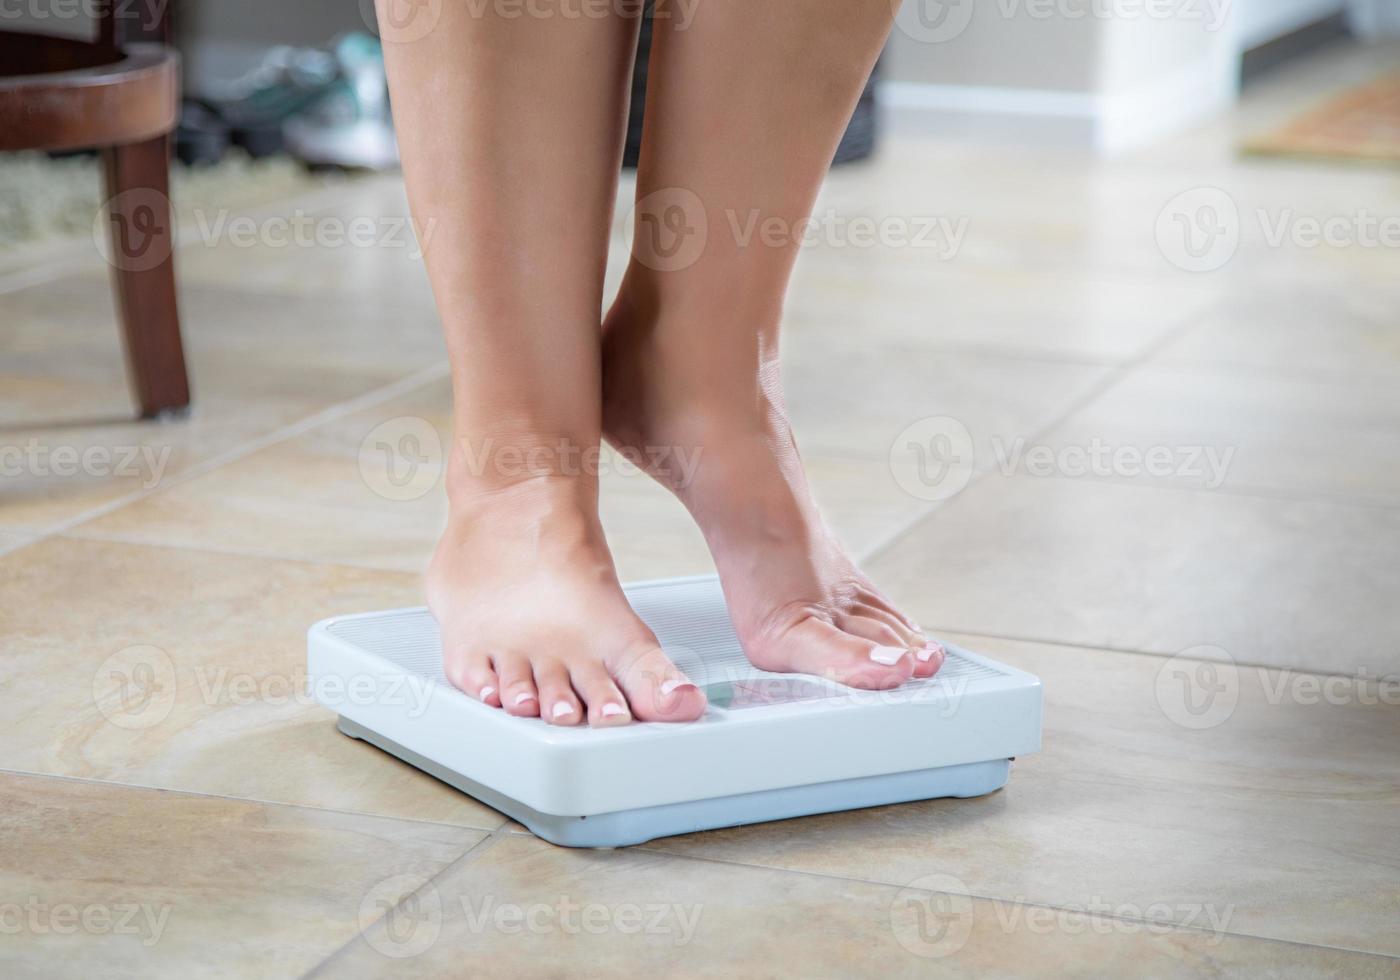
1285,583
1013,311
1103,219
378,510
14,540
1263,807
59,470
243,342
1347,336
256,363
524,908
187,670
58,467
879,391
373,479
1237,431
111,881
362,246
861,499
363,489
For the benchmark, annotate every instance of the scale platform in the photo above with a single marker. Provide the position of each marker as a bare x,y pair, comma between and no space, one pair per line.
769,746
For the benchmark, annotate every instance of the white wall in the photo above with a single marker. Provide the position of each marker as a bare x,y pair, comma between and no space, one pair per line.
1375,18
1110,73
976,44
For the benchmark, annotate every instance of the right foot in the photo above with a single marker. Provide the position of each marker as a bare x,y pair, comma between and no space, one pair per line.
796,599
532,616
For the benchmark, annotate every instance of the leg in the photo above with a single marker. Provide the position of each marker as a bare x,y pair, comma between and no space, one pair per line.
745,107
510,131
137,178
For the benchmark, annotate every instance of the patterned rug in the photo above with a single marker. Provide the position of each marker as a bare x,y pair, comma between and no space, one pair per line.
1361,124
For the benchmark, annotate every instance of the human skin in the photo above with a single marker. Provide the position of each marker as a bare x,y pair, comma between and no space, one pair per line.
510,130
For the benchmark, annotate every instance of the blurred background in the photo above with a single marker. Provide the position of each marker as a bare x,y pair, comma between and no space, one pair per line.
1092,351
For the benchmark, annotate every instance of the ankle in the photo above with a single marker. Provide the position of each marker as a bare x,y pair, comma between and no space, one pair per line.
534,465
719,344
659,383
721,309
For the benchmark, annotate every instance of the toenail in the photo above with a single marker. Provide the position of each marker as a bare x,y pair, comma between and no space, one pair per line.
925,654
889,656
613,710
563,708
675,684
487,691
524,696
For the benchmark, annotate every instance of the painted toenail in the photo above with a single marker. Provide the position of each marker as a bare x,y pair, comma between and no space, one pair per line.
674,684
889,656
524,696
487,691
563,708
613,710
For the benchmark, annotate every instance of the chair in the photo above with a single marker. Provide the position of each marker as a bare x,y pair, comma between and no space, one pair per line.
124,100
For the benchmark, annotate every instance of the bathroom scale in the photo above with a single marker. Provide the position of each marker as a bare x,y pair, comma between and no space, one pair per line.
768,747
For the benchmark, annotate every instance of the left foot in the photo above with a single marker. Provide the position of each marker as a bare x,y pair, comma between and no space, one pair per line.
797,601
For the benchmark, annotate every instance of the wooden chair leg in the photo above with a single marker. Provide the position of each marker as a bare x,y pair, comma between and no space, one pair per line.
143,237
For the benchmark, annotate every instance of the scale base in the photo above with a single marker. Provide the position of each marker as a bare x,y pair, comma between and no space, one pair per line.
625,827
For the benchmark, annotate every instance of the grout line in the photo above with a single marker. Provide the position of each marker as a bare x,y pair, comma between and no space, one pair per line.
23,539
795,335
210,549
470,856
1175,926
198,794
492,837
1231,369
48,271
1112,377
331,413
937,629
1248,491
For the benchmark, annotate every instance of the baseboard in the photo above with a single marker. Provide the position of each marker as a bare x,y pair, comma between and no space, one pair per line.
1106,124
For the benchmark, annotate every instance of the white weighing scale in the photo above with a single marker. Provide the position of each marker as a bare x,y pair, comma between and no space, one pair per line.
769,746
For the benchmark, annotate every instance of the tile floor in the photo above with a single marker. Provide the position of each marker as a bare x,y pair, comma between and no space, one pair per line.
220,824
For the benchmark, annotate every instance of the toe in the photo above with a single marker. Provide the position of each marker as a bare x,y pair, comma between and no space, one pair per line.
909,634
517,690
875,599
876,630
602,701
655,688
558,703
929,658
871,596
814,646
471,673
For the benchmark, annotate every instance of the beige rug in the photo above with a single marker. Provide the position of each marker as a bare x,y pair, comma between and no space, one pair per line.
45,200
1361,124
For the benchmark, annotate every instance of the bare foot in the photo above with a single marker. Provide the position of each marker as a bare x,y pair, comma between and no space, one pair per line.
531,613
797,600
